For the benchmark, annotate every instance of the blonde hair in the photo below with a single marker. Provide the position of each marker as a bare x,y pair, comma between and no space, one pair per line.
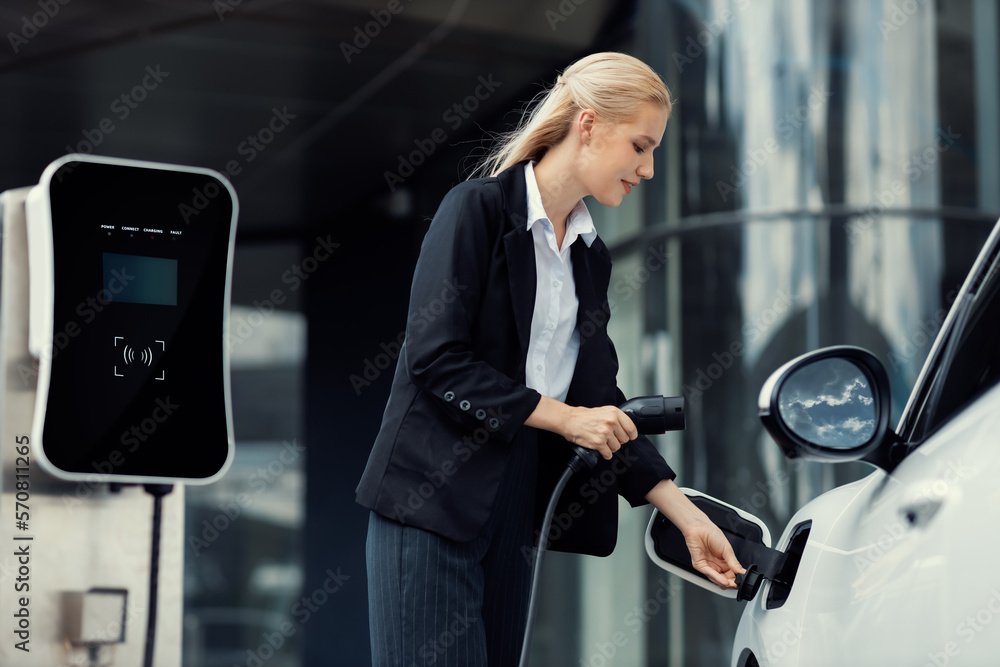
613,84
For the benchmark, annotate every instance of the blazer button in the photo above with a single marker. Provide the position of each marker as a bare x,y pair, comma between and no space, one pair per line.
465,405
494,422
480,414
449,396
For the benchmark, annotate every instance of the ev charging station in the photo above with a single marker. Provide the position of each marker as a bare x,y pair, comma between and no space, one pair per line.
115,280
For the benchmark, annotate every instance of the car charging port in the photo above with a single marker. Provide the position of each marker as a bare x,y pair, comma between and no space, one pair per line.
781,586
750,539
778,567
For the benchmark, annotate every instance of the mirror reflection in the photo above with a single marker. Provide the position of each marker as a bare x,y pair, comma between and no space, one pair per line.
829,403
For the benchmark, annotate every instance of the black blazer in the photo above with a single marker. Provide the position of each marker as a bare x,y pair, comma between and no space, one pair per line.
458,397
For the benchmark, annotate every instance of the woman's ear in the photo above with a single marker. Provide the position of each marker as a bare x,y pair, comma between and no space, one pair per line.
585,121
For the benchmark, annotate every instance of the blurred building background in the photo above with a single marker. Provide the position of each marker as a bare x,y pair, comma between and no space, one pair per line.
829,173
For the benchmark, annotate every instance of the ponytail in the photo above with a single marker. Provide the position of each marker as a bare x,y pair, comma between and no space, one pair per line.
613,84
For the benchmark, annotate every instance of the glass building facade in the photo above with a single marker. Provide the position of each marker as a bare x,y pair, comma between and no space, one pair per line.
829,172
827,177
244,554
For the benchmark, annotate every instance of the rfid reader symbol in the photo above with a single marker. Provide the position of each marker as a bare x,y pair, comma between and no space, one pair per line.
132,356
145,356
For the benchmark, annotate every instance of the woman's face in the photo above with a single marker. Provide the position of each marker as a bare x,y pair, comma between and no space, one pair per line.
619,155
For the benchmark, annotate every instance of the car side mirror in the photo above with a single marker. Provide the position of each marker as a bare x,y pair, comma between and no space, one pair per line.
831,405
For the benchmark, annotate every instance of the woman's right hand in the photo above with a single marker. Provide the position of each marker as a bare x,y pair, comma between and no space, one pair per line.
604,429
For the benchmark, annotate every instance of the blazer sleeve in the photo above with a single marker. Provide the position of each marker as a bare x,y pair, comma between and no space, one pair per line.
649,469
451,270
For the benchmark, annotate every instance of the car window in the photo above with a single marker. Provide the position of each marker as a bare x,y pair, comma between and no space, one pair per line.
975,360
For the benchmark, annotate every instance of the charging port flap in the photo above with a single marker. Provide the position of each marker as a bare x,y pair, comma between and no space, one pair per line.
748,535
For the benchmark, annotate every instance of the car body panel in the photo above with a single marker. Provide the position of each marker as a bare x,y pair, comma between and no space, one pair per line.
898,568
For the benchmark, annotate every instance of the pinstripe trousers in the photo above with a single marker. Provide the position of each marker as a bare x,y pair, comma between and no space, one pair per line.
433,601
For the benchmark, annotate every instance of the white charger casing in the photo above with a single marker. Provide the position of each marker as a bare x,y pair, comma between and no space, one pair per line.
42,233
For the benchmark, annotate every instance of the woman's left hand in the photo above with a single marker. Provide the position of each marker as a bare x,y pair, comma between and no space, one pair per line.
711,553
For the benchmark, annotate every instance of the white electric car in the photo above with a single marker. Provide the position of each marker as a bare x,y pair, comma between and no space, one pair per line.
901,567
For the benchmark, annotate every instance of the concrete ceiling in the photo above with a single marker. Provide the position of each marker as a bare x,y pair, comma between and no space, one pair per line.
306,104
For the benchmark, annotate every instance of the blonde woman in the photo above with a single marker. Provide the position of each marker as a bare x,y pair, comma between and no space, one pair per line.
505,361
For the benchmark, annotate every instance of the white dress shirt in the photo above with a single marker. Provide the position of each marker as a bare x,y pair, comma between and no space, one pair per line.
555,341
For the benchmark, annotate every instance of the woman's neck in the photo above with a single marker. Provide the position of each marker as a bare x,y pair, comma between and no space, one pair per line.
559,186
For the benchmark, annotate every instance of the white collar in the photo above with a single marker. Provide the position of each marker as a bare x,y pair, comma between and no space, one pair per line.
578,222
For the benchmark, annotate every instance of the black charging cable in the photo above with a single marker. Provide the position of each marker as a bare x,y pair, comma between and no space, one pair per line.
582,458
157,491
651,414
